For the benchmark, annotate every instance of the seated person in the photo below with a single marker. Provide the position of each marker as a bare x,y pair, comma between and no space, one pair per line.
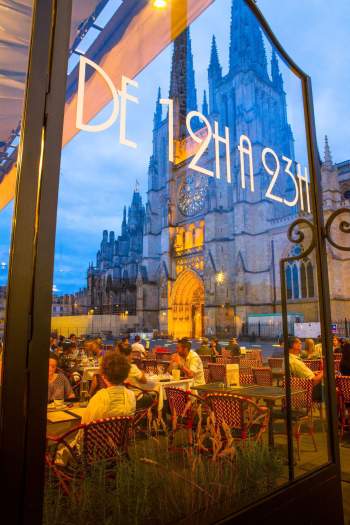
299,369
312,351
234,348
188,362
59,386
215,348
137,346
337,347
137,378
344,365
115,399
204,348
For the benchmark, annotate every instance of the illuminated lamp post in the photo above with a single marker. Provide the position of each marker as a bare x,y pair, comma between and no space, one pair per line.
160,4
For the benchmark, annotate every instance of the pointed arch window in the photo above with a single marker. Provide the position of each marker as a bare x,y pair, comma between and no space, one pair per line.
299,277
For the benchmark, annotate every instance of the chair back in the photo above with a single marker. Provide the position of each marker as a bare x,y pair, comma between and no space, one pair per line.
217,372
302,399
337,355
227,408
336,365
206,359
245,377
343,384
246,362
223,360
276,362
106,438
314,364
255,353
262,376
177,400
149,366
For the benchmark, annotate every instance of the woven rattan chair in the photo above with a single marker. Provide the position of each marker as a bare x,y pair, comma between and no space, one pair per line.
314,364
343,387
246,377
217,372
101,440
245,418
181,405
246,362
223,360
262,376
206,359
149,366
301,409
276,362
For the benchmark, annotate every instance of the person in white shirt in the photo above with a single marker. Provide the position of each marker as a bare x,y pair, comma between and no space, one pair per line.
188,362
137,346
299,369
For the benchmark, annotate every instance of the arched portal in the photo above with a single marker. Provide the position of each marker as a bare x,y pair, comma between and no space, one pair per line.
187,306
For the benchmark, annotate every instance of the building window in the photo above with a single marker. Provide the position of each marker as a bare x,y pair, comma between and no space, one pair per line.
300,279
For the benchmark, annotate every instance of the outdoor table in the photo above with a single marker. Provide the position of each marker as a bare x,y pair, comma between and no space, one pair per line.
60,420
269,394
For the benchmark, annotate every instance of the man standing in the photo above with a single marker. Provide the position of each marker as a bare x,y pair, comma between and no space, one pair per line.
188,362
299,369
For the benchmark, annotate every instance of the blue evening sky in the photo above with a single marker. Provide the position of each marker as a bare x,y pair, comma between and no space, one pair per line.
98,174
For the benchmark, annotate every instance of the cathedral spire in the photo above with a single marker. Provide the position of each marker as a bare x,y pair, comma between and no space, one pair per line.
214,68
182,80
205,109
328,162
157,119
247,51
276,75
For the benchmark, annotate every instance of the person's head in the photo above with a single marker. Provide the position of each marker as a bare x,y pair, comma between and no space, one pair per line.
294,345
53,341
53,361
125,341
183,347
115,368
205,341
309,346
125,351
336,342
73,338
137,339
68,348
213,341
234,340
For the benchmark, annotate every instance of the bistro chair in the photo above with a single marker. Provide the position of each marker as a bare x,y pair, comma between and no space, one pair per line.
262,376
337,355
336,365
223,360
256,353
301,409
217,372
276,362
246,377
182,411
149,366
143,417
206,359
101,440
314,364
343,388
245,419
248,363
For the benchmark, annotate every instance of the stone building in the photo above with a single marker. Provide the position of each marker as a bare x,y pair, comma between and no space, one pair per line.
204,253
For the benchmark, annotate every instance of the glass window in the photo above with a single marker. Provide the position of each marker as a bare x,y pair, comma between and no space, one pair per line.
184,162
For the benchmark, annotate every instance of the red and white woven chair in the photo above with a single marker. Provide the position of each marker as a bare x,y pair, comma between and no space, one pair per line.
246,377
181,405
217,372
343,388
314,364
262,376
102,440
276,362
149,366
206,359
245,419
301,409
246,362
223,360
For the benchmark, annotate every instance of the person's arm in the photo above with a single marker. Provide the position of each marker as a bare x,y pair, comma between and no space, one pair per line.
68,390
318,376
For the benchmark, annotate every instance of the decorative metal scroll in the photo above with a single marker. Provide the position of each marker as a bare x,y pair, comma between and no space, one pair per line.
344,227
